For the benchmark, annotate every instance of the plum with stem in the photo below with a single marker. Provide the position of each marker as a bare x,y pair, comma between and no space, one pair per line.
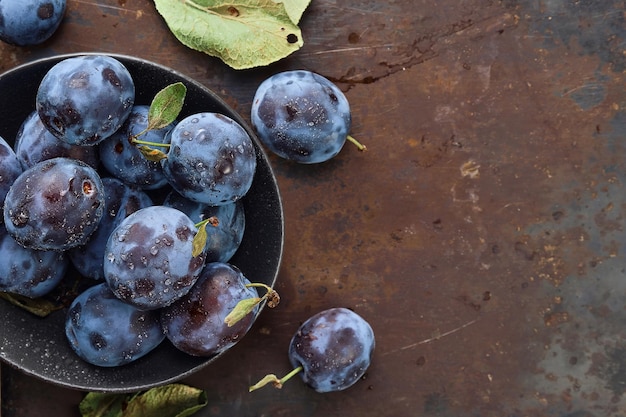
331,351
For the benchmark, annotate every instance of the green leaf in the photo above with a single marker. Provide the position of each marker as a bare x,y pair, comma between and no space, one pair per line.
96,404
151,154
173,400
37,306
295,8
245,34
241,310
199,241
166,106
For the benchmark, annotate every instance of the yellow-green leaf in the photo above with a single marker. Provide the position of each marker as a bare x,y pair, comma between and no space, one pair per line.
173,400
199,241
37,306
241,310
166,106
151,154
98,404
245,34
295,8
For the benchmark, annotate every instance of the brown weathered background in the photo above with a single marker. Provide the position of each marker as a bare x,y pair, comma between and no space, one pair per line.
482,234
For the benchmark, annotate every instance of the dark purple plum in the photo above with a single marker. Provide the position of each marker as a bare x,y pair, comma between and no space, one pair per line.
30,22
107,332
85,99
121,200
10,169
301,116
195,323
123,159
149,260
223,239
334,348
34,143
211,159
55,205
28,272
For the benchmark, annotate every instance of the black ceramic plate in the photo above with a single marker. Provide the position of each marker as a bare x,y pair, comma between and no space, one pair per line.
38,346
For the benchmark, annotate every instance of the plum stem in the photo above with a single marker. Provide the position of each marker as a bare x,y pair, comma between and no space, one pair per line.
245,306
273,379
147,142
358,144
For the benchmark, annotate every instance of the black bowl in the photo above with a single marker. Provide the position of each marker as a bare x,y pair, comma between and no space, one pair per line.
37,346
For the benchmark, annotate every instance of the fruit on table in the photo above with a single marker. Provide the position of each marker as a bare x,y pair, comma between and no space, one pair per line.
331,350
34,143
55,205
301,116
30,22
122,158
120,201
211,159
105,331
85,99
223,238
29,272
148,257
195,323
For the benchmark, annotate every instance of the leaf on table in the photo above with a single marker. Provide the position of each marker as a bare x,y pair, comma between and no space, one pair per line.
245,34
295,8
172,400
96,404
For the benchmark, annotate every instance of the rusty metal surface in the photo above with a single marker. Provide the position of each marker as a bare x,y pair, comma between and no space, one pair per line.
482,234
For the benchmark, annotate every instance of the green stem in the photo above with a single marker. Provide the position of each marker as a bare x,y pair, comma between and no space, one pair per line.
273,379
290,375
146,142
358,144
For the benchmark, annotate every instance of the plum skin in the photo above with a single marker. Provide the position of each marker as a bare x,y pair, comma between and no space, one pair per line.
148,257
121,200
85,99
334,347
107,332
54,205
301,116
30,22
195,323
211,160
28,272
124,160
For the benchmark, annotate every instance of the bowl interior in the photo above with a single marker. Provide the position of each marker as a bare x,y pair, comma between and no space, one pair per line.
38,346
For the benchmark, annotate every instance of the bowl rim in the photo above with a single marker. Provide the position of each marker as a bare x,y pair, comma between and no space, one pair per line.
261,153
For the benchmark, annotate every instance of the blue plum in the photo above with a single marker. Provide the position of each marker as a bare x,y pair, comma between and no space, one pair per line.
34,143
334,347
301,116
211,160
123,159
55,205
107,332
121,200
223,239
149,260
28,272
10,169
195,323
30,22
85,99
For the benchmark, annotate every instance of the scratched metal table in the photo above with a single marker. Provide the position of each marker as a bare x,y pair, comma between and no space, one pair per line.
482,234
